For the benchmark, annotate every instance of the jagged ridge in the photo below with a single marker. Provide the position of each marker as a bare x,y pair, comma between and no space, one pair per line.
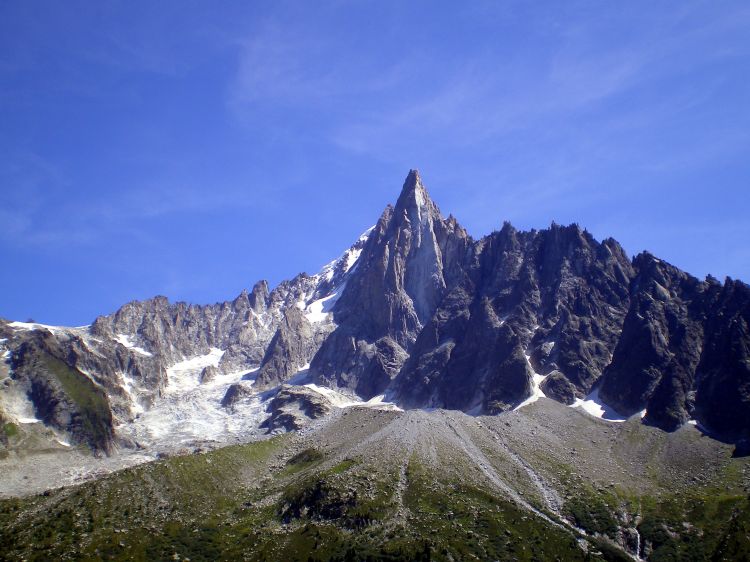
419,310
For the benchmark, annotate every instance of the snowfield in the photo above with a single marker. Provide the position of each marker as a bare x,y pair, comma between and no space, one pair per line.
190,412
594,406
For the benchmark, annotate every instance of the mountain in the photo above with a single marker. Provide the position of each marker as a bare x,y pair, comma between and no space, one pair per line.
411,259
418,311
526,395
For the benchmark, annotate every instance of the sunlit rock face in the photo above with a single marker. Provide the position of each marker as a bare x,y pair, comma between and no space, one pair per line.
415,312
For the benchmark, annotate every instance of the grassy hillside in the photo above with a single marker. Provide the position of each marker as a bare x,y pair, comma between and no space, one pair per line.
414,486
92,407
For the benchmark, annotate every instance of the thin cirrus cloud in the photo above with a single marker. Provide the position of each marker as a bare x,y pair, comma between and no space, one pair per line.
288,66
469,100
142,144
567,102
38,213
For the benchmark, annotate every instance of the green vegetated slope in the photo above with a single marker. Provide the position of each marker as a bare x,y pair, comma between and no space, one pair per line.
371,485
91,405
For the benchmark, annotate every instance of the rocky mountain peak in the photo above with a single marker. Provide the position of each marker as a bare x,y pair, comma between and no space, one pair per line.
418,309
242,301
260,296
412,258
415,203
413,191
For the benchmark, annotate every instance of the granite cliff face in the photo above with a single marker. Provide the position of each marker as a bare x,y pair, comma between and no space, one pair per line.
411,259
419,311
549,302
436,319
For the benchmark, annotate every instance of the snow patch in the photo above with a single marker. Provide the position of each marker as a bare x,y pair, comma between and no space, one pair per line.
698,426
536,386
319,310
302,377
126,341
366,234
341,400
351,258
594,406
379,402
337,399
130,387
15,403
547,347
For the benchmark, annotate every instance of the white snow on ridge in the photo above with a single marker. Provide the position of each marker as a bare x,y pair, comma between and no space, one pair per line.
319,309
328,269
348,258
366,234
353,255
29,326
126,341
594,406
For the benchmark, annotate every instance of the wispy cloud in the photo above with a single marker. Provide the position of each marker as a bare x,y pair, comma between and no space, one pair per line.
43,209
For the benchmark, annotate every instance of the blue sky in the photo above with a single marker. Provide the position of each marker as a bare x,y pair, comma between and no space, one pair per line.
192,148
